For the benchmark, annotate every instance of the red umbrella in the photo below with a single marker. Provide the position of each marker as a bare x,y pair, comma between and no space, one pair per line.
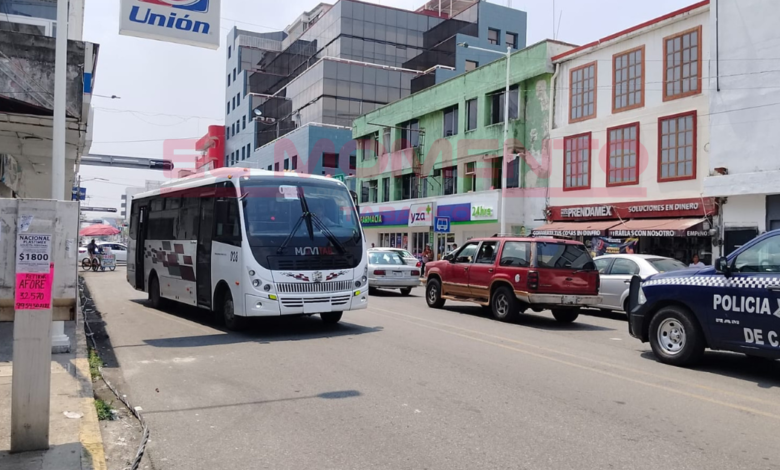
98,230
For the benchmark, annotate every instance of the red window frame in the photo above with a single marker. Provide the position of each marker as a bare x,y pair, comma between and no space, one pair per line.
588,173
694,143
699,46
637,150
641,102
595,66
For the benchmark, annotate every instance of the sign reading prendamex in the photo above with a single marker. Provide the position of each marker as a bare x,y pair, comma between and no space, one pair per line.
193,22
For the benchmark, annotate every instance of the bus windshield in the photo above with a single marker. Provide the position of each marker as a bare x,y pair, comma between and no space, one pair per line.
273,208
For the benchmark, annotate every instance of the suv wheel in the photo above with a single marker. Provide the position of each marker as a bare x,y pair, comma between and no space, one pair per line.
566,315
504,304
676,337
433,294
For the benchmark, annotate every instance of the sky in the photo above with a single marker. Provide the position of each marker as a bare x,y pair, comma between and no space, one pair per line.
172,91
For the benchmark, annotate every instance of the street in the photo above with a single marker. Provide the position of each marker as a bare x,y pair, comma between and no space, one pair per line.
403,386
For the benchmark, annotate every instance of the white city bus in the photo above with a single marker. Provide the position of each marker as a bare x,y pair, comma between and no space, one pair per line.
250,243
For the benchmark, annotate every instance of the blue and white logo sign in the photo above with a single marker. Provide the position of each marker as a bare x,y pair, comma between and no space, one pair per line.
442,225
193,22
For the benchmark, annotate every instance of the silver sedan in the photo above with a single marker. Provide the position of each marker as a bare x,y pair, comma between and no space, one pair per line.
408,257
616,272
388,270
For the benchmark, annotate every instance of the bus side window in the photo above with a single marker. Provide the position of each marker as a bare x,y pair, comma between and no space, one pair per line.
228,220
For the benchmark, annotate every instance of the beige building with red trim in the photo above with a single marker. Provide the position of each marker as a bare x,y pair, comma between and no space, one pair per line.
630,129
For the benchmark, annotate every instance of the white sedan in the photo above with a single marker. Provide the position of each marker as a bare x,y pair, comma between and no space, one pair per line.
616,272
119,250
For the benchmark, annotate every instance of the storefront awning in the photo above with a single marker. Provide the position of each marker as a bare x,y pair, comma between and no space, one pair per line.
575,229
659,228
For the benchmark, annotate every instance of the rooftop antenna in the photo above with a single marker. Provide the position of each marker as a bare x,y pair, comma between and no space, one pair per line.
553,15
558,30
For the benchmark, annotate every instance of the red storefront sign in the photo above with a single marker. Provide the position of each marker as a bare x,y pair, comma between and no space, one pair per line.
669,208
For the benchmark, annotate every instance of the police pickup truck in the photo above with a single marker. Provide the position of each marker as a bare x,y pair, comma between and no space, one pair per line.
732,306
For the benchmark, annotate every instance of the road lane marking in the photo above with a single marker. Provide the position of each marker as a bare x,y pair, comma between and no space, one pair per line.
595,361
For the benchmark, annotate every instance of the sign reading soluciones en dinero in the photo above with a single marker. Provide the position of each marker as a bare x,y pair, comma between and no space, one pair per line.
635,210
192,22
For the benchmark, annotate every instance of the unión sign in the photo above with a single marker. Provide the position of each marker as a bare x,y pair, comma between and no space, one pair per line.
193,22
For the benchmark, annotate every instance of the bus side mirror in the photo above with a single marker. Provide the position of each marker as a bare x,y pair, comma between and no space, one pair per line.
722,266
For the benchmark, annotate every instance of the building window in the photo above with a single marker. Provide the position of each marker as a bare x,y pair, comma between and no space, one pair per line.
228,79
230,51
269,167
629,77
511,40
409,185
386,140
228,108
450,180
238,99
451,121
227,133
471,65
497,102
677,145
682,64
294,162
234,102
410,134
232,129
243,153
243,122
276,166
372,191
330,160
471,114
582,97
493,35
577,162
286,163
248,150
234,74
623,156
470,177
385,189
353,162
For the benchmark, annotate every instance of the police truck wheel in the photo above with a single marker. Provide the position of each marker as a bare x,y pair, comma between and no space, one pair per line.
504,304
406,291
433,294
232,322
331,318
676,337
566,315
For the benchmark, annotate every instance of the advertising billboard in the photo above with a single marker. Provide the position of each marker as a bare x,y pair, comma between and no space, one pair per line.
192,22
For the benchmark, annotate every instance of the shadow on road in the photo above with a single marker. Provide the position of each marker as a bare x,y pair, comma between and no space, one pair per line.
541,320
764,372
396,293
326,396
260,330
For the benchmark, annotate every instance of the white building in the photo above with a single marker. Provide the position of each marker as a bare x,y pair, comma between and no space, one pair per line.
630,139
745,107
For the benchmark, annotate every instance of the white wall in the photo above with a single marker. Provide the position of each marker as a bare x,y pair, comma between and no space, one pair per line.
745,112
652,38
745,211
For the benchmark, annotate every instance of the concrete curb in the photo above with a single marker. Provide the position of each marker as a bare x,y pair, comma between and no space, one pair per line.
92,454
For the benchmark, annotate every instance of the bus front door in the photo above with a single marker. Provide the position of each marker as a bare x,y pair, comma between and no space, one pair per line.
203,254
140,247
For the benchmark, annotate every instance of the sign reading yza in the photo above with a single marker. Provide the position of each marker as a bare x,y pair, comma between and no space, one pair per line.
193,22
421,215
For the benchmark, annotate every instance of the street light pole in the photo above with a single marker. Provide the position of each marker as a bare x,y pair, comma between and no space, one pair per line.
505,158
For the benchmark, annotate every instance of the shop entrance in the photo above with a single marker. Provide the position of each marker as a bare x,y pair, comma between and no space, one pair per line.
419,240
445,242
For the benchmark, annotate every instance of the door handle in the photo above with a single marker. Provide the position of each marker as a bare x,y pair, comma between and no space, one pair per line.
490,270
626,282
569,279
466,268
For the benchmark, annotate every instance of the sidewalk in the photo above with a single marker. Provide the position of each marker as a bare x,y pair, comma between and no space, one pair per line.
75,444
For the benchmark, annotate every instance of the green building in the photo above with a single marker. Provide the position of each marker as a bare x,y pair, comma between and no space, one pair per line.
433,161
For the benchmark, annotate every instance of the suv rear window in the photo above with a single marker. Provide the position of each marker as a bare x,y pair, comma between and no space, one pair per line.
516,254
562,256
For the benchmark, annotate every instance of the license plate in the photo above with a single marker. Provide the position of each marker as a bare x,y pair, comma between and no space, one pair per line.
570,299
398,273
319,307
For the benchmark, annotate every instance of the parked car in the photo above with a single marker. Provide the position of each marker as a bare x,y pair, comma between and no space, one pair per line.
511,274
119,250
409,258
387,269
616,272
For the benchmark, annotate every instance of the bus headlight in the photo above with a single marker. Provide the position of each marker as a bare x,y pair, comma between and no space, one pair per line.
358,283
251,273
267,287
256,282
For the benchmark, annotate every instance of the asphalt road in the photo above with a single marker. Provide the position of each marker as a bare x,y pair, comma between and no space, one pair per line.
401,386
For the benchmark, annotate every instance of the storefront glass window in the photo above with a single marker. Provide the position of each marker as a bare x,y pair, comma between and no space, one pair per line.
419,240
394,240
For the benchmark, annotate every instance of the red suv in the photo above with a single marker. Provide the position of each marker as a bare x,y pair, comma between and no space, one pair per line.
510,275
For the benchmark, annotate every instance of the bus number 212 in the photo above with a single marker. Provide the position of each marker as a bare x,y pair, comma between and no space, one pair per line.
234,257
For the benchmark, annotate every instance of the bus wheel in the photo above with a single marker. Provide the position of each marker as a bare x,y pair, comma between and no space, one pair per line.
154,293
232,322
675,337
331,318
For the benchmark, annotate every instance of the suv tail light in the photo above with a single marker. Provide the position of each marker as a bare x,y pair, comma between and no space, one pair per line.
419,264
533,280
380,272
598,282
